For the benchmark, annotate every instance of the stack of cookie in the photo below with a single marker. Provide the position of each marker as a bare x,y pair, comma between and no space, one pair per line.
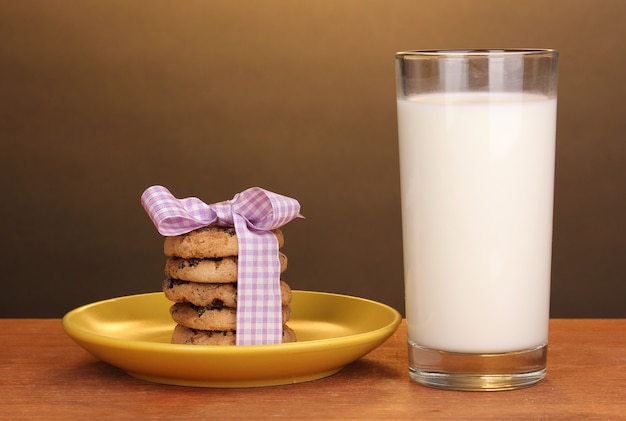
201,279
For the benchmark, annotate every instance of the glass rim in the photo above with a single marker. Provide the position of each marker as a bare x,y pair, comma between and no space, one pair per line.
477,52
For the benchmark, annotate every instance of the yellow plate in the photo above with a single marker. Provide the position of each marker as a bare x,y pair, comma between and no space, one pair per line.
133,333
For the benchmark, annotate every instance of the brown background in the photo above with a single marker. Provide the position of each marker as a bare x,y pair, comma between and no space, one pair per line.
101,99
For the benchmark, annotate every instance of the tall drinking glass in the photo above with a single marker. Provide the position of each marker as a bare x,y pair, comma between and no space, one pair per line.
477,141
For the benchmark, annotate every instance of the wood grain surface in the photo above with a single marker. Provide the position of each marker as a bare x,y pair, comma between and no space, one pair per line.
45,375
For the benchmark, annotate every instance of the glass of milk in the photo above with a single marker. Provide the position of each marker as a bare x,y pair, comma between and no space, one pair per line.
477,141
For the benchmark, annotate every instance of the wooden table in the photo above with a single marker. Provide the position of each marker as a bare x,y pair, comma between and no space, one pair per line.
44,374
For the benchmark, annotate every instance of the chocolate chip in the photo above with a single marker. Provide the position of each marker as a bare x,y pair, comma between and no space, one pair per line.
200,310
217,304
171,282
193,262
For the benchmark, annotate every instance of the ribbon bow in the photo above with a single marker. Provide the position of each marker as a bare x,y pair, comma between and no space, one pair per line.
254,213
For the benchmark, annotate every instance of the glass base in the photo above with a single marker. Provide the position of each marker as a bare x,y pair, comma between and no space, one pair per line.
475,372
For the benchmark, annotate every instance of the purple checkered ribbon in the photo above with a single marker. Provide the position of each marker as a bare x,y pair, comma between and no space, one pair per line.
253,213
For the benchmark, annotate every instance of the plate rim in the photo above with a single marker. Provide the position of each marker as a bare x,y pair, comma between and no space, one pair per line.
76,332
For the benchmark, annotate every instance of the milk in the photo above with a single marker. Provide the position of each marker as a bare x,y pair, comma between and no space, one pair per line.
477,176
